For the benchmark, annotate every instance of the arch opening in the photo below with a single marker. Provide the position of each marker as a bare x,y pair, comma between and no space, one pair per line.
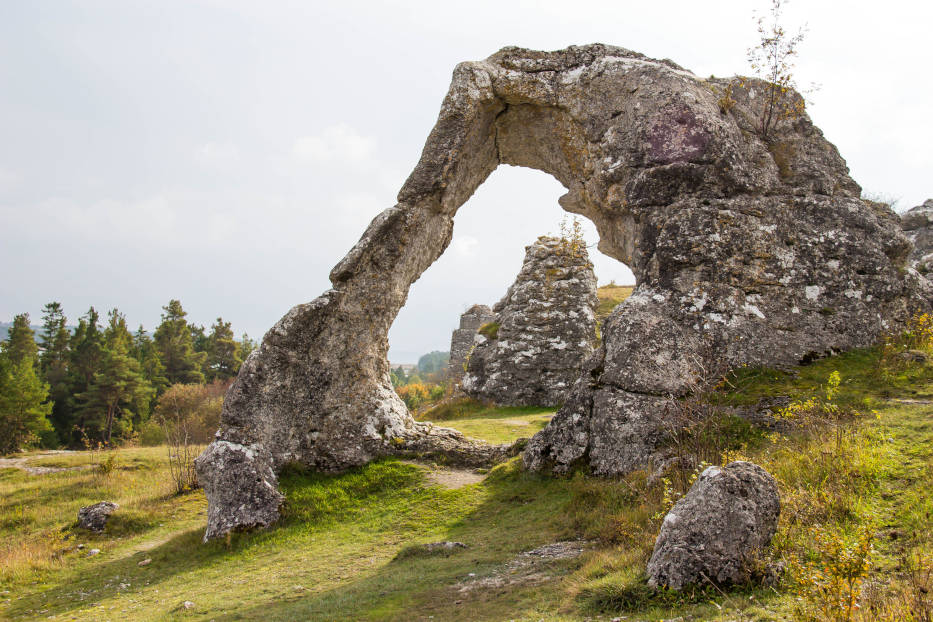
509,210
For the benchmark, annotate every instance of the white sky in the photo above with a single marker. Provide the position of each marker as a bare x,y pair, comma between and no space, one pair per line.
229,153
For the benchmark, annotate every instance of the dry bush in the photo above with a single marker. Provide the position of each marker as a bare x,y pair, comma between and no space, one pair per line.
896,347
830,582
418,394
189,415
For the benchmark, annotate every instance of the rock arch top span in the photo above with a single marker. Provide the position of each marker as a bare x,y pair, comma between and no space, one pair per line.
763,251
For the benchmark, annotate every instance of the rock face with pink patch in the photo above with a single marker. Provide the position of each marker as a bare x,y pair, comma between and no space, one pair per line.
749,251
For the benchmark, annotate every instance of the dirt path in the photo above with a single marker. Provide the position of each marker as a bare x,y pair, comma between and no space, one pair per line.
21,463
449,478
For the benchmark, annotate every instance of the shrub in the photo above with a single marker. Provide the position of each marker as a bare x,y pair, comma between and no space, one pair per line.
489,330
189,414
830,581
771,59
414,394
151,434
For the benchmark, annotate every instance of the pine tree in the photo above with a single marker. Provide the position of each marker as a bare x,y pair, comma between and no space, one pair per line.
245,347
174,342
21,341
118,392
85,358
223,357
54,342
55,356
24,405
199,339
145,352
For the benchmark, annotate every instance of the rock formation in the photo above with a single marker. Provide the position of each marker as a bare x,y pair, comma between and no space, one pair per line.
918,225
726,518
461,342
761,252
545,328
95,517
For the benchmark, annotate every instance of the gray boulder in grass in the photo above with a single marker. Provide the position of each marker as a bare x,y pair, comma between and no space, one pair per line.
94,517
713,532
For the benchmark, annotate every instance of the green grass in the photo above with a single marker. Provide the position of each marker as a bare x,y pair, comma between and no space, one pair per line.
347,547
493,424
609,297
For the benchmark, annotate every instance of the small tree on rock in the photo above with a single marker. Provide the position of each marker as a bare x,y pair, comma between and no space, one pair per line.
772,61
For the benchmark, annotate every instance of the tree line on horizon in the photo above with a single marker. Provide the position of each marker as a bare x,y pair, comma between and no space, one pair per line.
98,384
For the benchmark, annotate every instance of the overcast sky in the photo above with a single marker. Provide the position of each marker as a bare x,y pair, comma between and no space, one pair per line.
228,154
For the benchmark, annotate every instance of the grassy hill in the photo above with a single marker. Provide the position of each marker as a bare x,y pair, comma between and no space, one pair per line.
349,546
609,297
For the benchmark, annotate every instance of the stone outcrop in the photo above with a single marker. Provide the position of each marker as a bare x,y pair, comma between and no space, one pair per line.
717,529
917,223
238,476
761,252
461,342
95,517
545,329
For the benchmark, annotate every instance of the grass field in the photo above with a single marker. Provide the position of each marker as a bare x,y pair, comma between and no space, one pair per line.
490,423
347,547
609,296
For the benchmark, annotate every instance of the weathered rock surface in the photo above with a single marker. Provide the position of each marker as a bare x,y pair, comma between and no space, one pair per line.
240,485
95,517
715,531
760,252
546,330
461,342
917,223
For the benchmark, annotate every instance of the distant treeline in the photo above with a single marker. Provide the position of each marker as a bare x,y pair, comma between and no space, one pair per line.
100,382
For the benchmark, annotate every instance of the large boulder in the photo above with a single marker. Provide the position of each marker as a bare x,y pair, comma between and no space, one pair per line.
759,251
717,529
95,517
544,329
917,223
461,341
241,486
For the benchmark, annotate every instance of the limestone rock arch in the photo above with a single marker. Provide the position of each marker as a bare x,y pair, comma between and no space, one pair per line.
761,252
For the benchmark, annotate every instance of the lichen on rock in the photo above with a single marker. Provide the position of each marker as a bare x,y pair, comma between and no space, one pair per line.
917,223
716,531
545,329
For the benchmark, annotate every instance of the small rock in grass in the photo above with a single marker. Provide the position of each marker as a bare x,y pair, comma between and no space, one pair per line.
188,604
93,552
444,546
913,356
145,562
94,517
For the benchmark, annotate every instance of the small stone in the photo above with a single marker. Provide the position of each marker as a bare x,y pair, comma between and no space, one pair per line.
913,356
93,552
94,517
444,546
80,547
144,562
188,604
